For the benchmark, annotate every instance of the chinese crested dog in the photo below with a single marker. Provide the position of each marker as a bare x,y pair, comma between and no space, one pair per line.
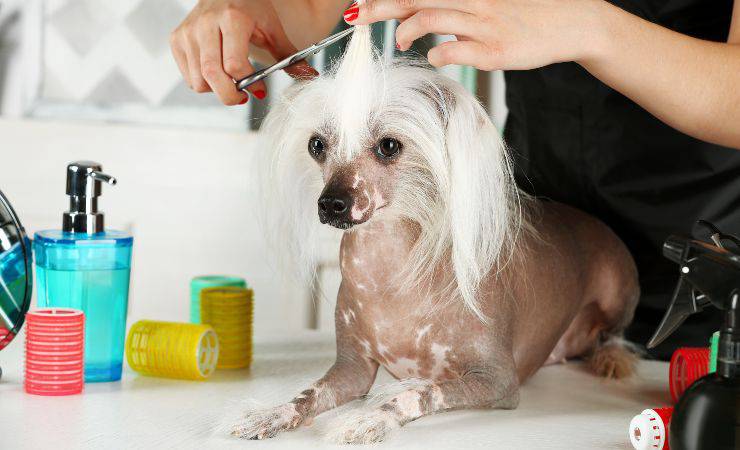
455,282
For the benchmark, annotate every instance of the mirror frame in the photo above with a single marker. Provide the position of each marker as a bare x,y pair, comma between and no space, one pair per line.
4,202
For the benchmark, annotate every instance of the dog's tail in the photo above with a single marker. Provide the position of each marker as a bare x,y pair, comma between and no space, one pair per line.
614,358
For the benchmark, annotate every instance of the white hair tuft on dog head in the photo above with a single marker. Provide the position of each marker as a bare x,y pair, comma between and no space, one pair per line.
453,180
357,81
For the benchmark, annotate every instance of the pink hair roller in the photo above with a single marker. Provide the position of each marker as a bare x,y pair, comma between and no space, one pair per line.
55,351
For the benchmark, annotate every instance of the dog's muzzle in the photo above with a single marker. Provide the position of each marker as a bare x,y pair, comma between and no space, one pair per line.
334,209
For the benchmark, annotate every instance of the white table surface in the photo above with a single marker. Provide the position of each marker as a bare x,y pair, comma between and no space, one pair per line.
562,407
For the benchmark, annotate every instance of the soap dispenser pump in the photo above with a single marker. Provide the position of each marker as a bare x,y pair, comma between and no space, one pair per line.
87,267
84,180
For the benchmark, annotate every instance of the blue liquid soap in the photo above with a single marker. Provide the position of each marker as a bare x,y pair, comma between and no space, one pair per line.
89,272
84,266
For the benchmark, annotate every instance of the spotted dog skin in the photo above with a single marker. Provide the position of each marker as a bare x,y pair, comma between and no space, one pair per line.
412,166
556,299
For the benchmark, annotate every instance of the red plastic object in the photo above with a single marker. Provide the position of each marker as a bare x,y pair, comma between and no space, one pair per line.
4,332
649,429
688,364
54,351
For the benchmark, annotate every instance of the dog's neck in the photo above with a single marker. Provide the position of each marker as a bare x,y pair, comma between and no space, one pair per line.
373,259
380,238
375,251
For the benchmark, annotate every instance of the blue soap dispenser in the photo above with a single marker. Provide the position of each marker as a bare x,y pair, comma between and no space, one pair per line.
87,267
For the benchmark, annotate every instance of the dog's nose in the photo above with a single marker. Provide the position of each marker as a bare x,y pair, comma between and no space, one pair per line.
334,207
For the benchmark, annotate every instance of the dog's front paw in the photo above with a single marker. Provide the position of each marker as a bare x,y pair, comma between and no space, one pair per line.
266,423
363,427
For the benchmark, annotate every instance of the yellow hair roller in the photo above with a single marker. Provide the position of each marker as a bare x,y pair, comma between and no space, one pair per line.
229,311
172,350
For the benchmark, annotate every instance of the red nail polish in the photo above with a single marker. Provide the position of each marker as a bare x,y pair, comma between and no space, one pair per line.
352,13
398,47
260,94
246,99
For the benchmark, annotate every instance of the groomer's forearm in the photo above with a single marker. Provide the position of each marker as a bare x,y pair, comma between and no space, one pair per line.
308,21
690,84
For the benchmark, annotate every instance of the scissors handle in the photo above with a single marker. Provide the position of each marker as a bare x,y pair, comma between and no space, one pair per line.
251,79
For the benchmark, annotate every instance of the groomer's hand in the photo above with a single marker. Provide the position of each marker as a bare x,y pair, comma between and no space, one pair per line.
211,46
491,34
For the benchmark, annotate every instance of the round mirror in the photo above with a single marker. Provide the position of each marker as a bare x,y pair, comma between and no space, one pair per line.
15,273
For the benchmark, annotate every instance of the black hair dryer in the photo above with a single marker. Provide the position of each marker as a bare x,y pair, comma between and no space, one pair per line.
707,416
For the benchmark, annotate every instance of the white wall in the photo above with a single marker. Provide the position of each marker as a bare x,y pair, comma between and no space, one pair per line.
186,195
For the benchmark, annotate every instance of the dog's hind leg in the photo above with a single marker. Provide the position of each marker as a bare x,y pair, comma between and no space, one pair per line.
618,292
408,400
596,332
589,336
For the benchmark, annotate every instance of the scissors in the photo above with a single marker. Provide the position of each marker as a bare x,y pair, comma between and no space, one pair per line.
292,59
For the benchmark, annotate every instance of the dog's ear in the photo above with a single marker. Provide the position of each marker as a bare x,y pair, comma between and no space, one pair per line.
289,179
289,182
483,204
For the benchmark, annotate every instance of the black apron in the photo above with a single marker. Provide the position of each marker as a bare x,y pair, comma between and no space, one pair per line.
577,141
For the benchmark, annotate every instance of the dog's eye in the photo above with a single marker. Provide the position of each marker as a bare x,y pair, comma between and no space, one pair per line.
316,147
388,148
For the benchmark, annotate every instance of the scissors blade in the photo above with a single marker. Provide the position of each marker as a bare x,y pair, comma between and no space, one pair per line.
333,38
292,59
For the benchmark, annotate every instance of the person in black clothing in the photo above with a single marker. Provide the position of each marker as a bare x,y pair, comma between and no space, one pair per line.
628,110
